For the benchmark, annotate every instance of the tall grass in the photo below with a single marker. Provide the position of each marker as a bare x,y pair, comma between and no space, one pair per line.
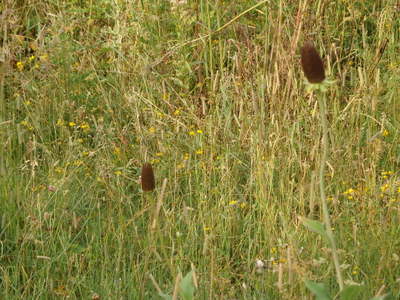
217,104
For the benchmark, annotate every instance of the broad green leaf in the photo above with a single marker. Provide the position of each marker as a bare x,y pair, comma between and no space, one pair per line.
351,292
315,226
318,289
388,296
187,287
165,296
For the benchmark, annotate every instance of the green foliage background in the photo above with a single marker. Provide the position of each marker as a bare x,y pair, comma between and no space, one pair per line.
212,94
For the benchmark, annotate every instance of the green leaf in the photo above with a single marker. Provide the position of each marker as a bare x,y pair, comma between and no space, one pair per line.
187,287
165,296
315,226
388,296
351,292
318,289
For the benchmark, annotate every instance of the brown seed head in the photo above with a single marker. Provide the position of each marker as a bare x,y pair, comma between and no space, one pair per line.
147,178
312,64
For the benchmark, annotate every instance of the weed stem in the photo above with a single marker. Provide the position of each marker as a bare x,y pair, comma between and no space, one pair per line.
327,221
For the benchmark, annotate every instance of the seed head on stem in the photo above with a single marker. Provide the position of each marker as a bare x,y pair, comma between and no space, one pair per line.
312,64
147,178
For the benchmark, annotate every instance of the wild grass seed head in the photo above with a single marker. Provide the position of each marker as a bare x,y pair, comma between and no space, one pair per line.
312,64
147,178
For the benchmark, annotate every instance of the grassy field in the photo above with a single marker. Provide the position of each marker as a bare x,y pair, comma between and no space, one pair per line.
212,94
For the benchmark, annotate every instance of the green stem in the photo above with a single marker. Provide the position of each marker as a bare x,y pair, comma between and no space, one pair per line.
327,221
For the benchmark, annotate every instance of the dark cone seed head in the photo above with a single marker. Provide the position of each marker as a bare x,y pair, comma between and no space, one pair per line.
147,178
312,64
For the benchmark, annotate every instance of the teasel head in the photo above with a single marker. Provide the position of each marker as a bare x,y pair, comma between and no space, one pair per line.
147,178
312,64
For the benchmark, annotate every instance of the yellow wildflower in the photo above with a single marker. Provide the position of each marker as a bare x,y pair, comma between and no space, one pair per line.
20,66
384,187
85,126
77,163
60,122
59,170
117,150
206,228
154,161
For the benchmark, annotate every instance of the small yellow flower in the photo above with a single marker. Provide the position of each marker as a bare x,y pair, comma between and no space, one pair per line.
349,191
177,112
155,161
384,187
152,130
85,126
117,150
192,133
385,133
186,156
206,228
232,202
20,66
31,58
59,170
71,124
118,173
27,125
159,154
199,152
60,122
387,173
77,163
27,102
199,131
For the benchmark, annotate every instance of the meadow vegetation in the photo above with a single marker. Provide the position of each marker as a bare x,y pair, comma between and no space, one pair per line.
212,95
